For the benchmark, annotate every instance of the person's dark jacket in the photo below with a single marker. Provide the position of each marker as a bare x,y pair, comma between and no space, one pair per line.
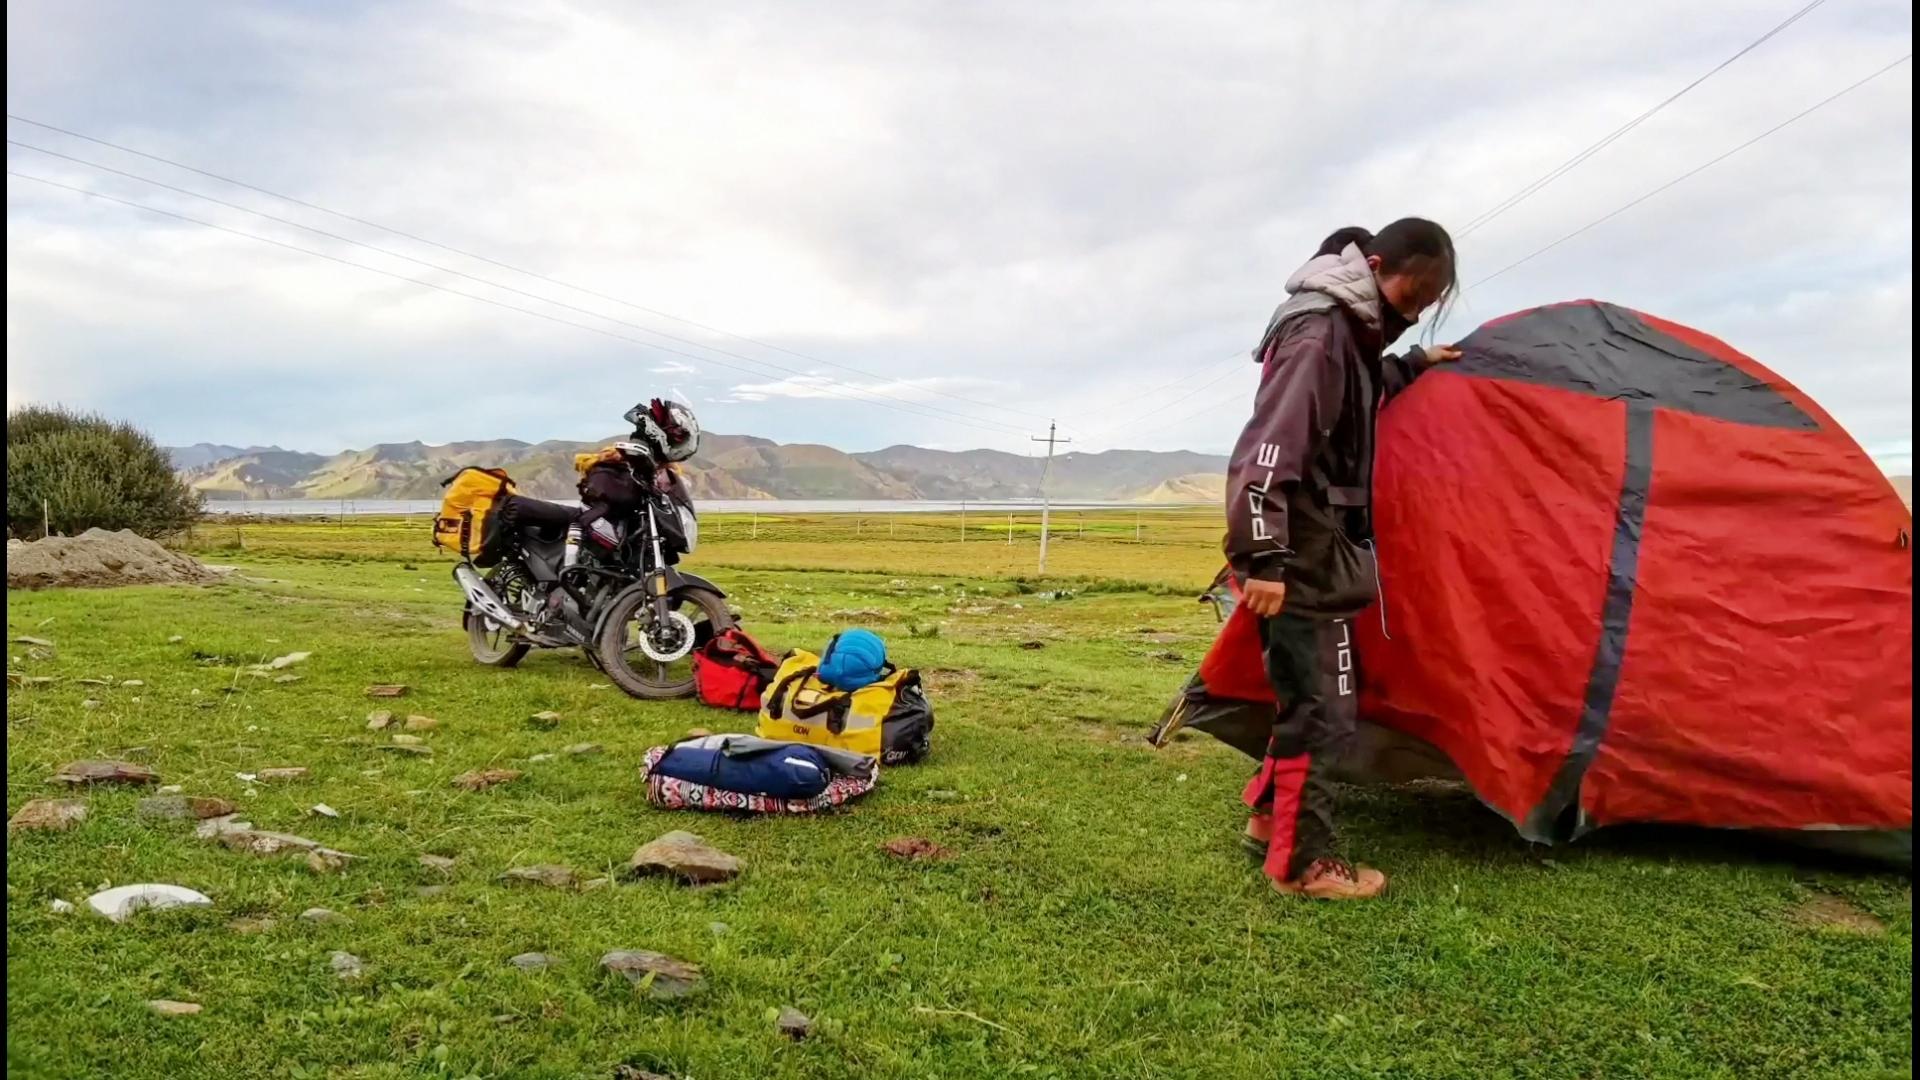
1299,483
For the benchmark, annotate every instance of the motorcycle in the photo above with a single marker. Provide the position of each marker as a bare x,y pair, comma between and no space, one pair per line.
619,598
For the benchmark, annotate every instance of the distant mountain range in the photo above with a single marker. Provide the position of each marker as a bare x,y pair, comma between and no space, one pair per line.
727,467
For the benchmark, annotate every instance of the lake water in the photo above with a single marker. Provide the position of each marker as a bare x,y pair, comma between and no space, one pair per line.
425,507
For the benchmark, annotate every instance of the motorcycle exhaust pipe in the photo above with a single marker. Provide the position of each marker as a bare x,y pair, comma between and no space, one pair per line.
485,600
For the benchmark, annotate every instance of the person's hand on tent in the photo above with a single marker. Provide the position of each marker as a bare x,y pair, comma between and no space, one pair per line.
1442,354
1264,598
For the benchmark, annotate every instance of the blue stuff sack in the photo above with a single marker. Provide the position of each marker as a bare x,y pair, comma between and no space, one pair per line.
788,771
853,659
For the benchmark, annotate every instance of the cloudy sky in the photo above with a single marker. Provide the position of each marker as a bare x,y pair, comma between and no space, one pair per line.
903,222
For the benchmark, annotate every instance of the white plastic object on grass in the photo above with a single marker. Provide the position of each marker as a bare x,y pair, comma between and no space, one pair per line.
123,901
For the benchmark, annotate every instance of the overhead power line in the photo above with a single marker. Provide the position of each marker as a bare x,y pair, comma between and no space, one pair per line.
1695,171
997,430
536,275
1161,406
1611,137
929,409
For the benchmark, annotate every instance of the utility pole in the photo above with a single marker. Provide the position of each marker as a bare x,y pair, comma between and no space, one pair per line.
1046,505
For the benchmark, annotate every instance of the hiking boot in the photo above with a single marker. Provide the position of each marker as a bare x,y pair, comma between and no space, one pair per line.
1258,836
1335,879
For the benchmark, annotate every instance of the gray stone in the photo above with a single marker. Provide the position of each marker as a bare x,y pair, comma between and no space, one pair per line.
793,1023
655,974
437,862
346,965
379,719
214,826
173,1008
685,856
533,961
551,875
320,916
579,748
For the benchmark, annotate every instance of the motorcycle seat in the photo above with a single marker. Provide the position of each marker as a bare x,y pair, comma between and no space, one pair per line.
538,519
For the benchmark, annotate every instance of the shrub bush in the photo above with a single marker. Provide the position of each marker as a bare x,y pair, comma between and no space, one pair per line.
90,472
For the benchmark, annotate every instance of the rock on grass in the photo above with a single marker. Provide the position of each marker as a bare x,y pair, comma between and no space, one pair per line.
915,849
105,772
656,975
411,749
482,779
793,1023
48,815
183,807
552,875
173,1008
378,719
685,856
386,690
534,961
345,965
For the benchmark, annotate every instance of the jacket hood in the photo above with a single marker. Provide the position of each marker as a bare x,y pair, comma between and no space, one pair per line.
1346,278
1324,283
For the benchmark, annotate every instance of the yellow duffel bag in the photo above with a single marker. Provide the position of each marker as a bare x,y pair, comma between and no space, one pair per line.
888,719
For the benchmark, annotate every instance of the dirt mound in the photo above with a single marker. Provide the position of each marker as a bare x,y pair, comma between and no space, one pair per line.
99,559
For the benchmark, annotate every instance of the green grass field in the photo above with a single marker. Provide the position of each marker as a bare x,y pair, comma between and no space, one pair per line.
1097,918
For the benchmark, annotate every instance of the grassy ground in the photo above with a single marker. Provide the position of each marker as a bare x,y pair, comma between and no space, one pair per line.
1097,919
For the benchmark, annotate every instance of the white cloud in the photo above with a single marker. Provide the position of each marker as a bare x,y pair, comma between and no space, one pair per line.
1062,208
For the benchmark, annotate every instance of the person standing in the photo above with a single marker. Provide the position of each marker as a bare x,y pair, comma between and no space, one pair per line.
1299,522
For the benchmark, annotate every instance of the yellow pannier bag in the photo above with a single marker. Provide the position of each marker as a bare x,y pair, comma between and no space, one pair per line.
801,708
466,521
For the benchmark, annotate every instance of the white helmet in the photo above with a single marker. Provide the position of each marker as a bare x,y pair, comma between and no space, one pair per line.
667,427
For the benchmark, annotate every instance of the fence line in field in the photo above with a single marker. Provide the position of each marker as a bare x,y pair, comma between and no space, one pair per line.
1105,526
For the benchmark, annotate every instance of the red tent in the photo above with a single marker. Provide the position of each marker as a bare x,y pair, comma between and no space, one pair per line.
1630,575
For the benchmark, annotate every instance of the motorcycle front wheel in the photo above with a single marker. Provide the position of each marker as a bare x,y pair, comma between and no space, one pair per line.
618,647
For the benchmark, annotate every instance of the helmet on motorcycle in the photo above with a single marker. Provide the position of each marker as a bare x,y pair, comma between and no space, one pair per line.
667,427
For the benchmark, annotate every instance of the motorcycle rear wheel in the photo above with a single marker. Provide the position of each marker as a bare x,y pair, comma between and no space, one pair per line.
618,651
489,642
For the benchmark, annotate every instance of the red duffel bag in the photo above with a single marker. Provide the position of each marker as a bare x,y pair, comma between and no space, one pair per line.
732,670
